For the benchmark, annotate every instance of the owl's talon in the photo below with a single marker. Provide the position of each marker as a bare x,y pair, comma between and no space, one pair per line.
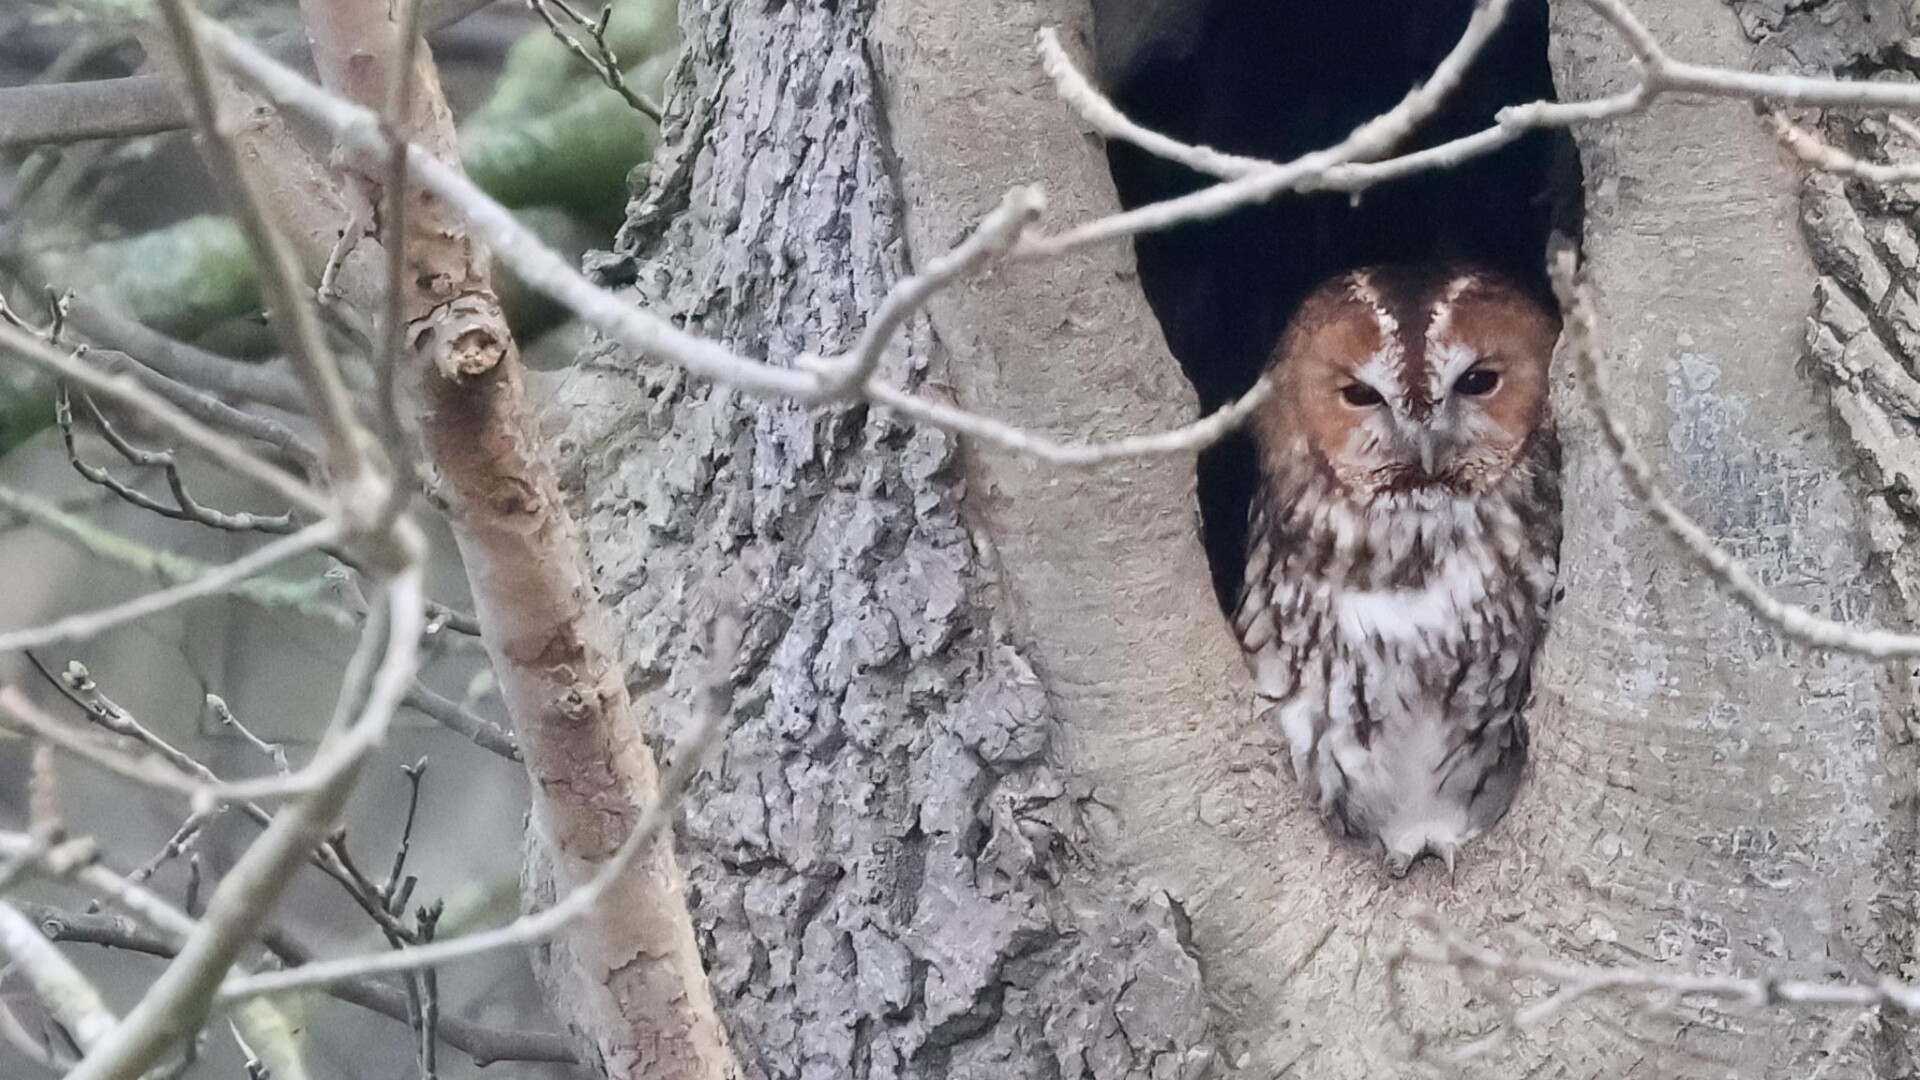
1397,863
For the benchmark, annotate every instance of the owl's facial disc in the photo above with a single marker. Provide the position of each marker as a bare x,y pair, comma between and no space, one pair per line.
1392,385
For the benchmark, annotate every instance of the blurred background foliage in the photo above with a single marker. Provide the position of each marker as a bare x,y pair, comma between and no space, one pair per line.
136,224
539,131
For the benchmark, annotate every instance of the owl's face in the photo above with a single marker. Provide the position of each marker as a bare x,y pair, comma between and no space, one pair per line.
1409,381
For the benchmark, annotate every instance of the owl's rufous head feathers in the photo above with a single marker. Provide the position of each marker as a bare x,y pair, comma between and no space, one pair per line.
1397,380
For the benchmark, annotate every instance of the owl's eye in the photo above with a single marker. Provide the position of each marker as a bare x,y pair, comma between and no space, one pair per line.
1361,396
1477,382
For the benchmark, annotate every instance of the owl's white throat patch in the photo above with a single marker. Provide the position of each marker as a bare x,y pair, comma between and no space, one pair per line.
1429,613
1413,525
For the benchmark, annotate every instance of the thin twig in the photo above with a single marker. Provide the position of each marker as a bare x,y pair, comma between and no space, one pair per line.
78,627
600,58
179,1000
845,377
1372,139
392,356
184,507
1814,151
485,1045
714,705
139,104
414,773
350,470
274,751
20,714
457,718
126,391
1451,949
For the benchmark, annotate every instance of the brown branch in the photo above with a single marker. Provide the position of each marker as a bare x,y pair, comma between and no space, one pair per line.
651,1011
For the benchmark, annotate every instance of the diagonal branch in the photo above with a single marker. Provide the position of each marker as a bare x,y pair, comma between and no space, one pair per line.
60,986
1791,620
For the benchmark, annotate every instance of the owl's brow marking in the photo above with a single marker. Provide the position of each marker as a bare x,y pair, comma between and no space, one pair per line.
1386,369
1455,356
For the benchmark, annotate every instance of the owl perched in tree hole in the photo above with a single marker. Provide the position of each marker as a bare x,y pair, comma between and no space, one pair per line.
1403,541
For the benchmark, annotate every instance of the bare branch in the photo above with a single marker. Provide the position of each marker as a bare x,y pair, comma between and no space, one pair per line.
457,718
485,1045
211,410
56,982
178,1002
78,627
1576,981
138,104
1188,439
228,380
1791,620
127,392
391,359
1814,151
1372,139
184,506
353,474
647,334
527,930
274,751
845,377
78,861
1254,182
20,714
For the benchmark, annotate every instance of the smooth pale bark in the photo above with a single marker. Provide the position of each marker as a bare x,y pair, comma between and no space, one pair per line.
993,806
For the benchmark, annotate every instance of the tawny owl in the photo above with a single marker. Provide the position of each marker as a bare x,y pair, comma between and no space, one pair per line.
1404,539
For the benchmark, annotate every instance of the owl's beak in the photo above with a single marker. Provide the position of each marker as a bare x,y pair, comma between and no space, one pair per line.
1429,454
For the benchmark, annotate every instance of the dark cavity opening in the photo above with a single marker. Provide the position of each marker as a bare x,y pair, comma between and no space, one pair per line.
1277,79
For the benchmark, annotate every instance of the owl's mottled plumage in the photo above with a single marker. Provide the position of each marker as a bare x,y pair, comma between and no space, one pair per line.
1403,545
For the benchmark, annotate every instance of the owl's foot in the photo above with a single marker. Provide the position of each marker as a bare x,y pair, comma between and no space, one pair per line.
1397,863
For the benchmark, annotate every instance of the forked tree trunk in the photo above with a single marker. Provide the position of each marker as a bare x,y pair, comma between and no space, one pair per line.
993,806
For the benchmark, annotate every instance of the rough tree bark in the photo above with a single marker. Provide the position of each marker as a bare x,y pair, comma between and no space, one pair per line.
994,807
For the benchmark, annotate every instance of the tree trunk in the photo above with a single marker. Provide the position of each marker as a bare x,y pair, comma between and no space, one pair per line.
993,805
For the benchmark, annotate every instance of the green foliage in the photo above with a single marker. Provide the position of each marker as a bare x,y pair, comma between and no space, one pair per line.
541,74
177,279
26,404
576,157
551,141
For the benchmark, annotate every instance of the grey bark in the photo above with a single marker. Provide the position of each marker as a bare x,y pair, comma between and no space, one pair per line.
993,805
